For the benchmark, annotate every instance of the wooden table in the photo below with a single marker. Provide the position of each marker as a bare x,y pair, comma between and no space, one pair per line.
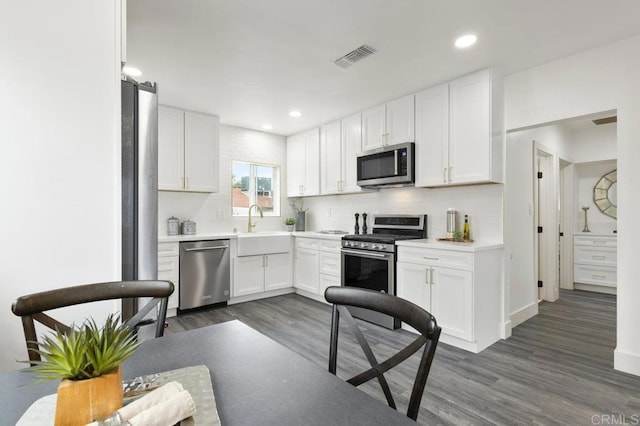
256,381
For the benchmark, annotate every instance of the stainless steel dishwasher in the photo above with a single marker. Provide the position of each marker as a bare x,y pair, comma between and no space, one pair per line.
205,276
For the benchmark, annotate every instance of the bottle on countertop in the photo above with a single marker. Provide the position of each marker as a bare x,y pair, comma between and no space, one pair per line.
364,223
466,232
357,227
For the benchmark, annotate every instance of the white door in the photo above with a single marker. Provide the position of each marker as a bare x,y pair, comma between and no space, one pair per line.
306,270
413,285
373,128
432,136
201,145
277,271
470,128
170,148
546,209
350,148
311,184
248,275
452,301
330,158
400,121
295,165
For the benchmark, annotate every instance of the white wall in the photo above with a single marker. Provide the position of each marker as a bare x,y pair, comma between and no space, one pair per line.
595,143
212,212
483,204
607,78
59,168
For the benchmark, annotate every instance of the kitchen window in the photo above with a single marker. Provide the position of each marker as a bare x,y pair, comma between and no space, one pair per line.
253,183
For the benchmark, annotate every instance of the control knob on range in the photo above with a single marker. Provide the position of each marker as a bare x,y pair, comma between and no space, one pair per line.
382,247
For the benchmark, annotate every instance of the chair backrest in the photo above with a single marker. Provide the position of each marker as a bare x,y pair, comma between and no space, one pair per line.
32,307
405,311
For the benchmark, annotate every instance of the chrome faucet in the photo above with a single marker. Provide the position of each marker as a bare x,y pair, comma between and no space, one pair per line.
253,225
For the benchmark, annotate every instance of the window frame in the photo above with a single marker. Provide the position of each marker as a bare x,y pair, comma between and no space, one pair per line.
275,188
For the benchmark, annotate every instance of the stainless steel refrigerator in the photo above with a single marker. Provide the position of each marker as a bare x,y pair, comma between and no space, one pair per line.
139,185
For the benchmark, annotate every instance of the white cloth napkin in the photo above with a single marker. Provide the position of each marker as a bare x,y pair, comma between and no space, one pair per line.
172,410
157,396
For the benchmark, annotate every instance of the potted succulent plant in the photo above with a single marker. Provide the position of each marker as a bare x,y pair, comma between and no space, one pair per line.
87,359
290,222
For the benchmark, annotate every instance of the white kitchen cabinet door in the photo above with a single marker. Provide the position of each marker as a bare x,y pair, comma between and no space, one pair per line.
306,270
373,127
432,136
295,165
452,301
168,270
170,148
201,147
330,158
311,162
470,128
248,275
303,164
350,148
400,121
327,281
277,271
413,285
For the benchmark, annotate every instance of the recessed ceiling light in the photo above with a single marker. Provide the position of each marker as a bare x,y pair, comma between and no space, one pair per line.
465,41
131,71
267,126
295,113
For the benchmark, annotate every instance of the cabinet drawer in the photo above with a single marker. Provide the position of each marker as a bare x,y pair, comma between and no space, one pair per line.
330,263
595,275
333,245
434,257
168,269
168,249
604,256
308,243
595,241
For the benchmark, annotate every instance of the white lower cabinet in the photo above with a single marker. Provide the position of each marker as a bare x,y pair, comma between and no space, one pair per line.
257,274
316,265
306,270
595,259
461,289
169,270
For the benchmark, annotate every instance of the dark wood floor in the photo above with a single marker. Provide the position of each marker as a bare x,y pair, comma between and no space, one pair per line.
557,368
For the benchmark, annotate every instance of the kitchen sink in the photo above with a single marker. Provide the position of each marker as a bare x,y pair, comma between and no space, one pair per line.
265,242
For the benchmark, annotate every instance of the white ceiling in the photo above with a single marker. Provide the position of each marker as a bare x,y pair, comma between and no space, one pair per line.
252,61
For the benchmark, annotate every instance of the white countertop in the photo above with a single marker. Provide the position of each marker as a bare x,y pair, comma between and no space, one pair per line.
225,235
320,235
596,234
450,245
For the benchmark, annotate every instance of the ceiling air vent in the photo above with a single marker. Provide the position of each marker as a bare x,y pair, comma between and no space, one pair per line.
606,120
355,55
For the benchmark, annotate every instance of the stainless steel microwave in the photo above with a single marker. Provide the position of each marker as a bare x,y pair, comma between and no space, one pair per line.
388,166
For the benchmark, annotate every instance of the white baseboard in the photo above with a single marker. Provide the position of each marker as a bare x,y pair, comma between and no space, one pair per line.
523,314
506,330
261,295
627,362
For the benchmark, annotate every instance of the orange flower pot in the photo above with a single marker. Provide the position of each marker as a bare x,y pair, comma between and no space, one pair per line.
82,401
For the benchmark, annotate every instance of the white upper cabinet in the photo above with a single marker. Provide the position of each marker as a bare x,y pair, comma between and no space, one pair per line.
188,150
388,124
330,158
432,136
340,143
459,131
303,164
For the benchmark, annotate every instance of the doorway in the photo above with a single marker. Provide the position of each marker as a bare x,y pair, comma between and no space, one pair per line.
546,219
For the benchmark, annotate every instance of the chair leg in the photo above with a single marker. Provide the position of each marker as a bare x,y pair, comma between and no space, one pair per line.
333,348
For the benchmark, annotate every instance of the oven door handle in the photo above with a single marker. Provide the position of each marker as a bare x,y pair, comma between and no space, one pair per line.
363,253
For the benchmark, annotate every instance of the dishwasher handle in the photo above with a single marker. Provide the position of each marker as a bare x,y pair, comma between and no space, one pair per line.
206,248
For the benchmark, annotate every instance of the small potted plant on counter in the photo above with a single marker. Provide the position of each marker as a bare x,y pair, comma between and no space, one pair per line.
290,222
87,359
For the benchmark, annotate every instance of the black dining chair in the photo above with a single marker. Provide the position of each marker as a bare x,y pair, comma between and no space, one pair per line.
405,311
32,307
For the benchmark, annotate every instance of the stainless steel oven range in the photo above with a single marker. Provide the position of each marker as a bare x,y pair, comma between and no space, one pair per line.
369,260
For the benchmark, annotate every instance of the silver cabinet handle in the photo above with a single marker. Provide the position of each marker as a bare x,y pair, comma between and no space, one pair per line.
444,176
450,168
431,269
426,275
595,257
601,277
206,248
266,261
599,242
431,258
187,178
